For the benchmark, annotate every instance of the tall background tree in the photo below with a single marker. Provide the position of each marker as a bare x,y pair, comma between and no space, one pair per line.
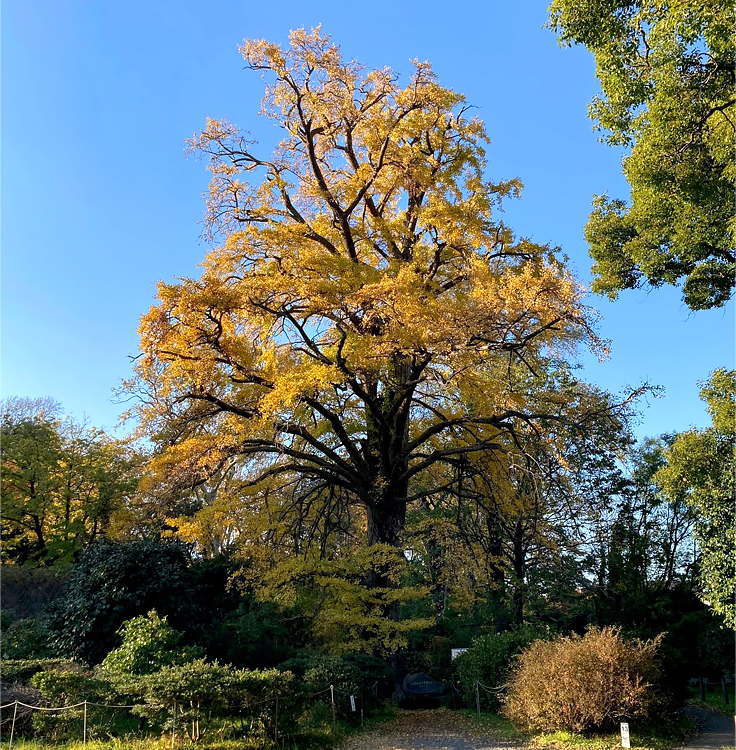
62,482
699,473
667,78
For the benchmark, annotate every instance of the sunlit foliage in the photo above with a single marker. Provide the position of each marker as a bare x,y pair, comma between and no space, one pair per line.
667,79
699,472
365,319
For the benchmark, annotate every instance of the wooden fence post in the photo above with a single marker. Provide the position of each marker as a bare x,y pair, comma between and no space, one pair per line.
12,728
332,698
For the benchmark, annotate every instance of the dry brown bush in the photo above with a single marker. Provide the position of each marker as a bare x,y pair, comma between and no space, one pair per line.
578,683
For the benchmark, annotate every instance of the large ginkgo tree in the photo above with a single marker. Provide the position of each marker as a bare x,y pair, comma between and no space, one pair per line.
365,318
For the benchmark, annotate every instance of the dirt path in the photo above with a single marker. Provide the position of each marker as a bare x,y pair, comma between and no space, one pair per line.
441,729
427,730
714,730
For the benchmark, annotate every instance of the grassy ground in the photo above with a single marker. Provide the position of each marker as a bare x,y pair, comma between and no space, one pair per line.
644,740
315,738
653,739
132,743
128,744
713,701
323,737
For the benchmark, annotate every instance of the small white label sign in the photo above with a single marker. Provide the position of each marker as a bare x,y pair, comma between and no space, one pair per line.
352,703
625,741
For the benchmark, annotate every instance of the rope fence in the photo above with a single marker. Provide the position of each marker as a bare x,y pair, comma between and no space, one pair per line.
27,709
487,690
85,704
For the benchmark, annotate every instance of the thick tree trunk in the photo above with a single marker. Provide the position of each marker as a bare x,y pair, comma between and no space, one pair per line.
384,453
386,520
519,570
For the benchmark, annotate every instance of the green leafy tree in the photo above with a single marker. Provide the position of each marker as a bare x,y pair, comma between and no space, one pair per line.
62,482
700,473
507,531
30,451
257,634
646,551
667,79
115,582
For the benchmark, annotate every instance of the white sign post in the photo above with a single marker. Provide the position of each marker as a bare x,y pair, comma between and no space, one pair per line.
625,741
352,702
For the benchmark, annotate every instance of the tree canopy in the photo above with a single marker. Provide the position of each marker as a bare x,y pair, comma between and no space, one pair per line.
667,79
364,437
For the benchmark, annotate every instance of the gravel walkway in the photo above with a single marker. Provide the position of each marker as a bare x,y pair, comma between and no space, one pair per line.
428,730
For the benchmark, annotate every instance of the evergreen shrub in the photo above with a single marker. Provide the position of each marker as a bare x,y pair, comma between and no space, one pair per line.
21,670
66,687
199,691
488,661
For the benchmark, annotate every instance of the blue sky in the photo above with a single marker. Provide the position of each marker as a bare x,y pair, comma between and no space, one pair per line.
99,201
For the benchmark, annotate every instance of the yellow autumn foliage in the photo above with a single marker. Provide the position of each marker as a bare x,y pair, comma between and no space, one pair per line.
364,317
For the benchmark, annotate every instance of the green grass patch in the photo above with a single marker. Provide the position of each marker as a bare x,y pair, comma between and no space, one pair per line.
133,743
320,735
650,738
496,725
120,743
713,701
607,741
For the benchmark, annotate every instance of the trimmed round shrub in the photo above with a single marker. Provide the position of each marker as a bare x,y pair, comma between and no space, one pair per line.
66,687
202,690
149,643
583,682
